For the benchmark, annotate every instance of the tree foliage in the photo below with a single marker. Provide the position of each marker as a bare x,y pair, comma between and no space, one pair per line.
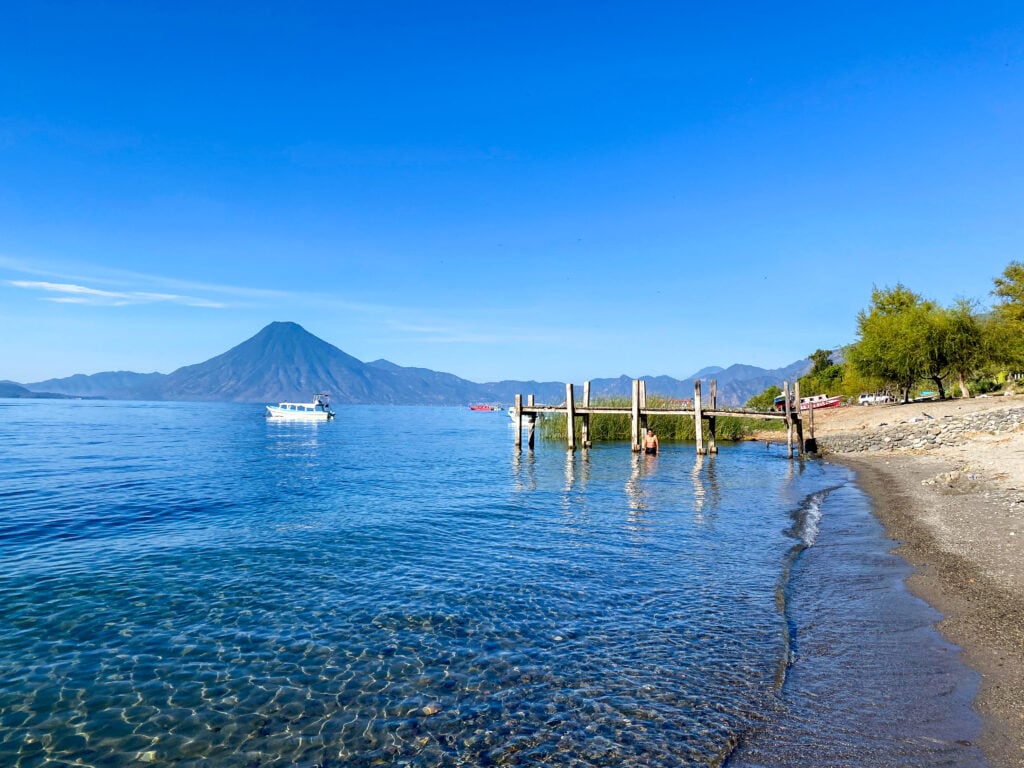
1004,342
893,335
824,378
964,342
1005,330
821,360
1010,290
905,339
764,401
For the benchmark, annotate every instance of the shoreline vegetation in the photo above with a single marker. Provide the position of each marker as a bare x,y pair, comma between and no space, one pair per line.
955,510
616,426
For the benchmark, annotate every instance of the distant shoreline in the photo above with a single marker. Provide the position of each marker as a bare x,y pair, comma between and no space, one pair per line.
957,512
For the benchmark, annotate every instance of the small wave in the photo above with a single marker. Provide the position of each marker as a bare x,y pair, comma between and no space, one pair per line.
806,521
810,519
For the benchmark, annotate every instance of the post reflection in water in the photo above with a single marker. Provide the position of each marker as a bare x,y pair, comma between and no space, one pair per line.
789,492
584,469
635,492
524,471
576,478
706,492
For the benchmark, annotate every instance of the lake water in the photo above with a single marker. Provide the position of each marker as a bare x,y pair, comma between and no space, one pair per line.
191,584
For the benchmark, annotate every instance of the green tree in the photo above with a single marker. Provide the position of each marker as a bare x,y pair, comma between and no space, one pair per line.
933,325
1010,290
964,339
904,338
824,376
1005,330
1004,342
821,359
893,338
764,401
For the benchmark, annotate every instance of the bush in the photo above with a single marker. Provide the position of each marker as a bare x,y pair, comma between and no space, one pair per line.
982,386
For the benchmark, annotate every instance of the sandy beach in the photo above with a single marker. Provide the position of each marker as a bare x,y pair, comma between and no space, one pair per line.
956,509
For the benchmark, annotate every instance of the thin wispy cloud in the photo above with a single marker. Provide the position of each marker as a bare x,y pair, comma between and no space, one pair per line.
124,287
104,287
71,293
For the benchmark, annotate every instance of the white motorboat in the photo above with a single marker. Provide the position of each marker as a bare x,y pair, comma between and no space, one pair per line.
526,419
318,410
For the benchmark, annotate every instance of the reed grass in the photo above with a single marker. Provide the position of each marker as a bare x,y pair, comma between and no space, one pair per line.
616,426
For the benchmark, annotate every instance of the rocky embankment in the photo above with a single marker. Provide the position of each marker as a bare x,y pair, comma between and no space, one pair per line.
924,432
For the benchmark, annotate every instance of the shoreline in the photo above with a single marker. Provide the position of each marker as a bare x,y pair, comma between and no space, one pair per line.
956,514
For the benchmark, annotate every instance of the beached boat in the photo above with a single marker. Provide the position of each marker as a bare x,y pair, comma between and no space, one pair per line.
318,410
807,403
779,403
820,401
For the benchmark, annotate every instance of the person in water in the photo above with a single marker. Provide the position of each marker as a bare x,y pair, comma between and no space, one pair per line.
651,443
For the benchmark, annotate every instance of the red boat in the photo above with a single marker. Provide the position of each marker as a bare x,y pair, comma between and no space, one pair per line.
480,407
807,403
820,401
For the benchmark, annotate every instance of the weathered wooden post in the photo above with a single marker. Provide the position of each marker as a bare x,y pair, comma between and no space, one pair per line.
698,421
789,420
586,415
533,422
570,417
799,419
634,417
643,410
811,446
712,448
517,421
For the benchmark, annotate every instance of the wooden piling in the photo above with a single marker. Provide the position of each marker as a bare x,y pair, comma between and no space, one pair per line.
533,424
712,447
570,416
643,411
789,420
634,416
811,446
517,421
698,421
799,422
586,416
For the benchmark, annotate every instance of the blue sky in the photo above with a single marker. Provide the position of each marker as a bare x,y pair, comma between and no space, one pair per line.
552,191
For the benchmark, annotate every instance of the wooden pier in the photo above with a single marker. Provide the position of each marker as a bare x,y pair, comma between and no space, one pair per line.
525,415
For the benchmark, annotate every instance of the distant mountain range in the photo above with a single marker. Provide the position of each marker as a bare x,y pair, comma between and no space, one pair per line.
12,389
286,362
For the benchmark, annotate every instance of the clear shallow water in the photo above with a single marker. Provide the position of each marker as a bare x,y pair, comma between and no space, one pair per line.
187,582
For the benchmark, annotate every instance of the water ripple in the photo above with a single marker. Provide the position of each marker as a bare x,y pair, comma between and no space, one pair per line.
187,583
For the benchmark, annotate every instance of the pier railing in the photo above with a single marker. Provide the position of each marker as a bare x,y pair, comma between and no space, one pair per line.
525,415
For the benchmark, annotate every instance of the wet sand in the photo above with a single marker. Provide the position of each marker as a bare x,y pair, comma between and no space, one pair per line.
957,512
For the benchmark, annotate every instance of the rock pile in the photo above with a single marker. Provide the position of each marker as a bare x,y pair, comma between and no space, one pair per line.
924,432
